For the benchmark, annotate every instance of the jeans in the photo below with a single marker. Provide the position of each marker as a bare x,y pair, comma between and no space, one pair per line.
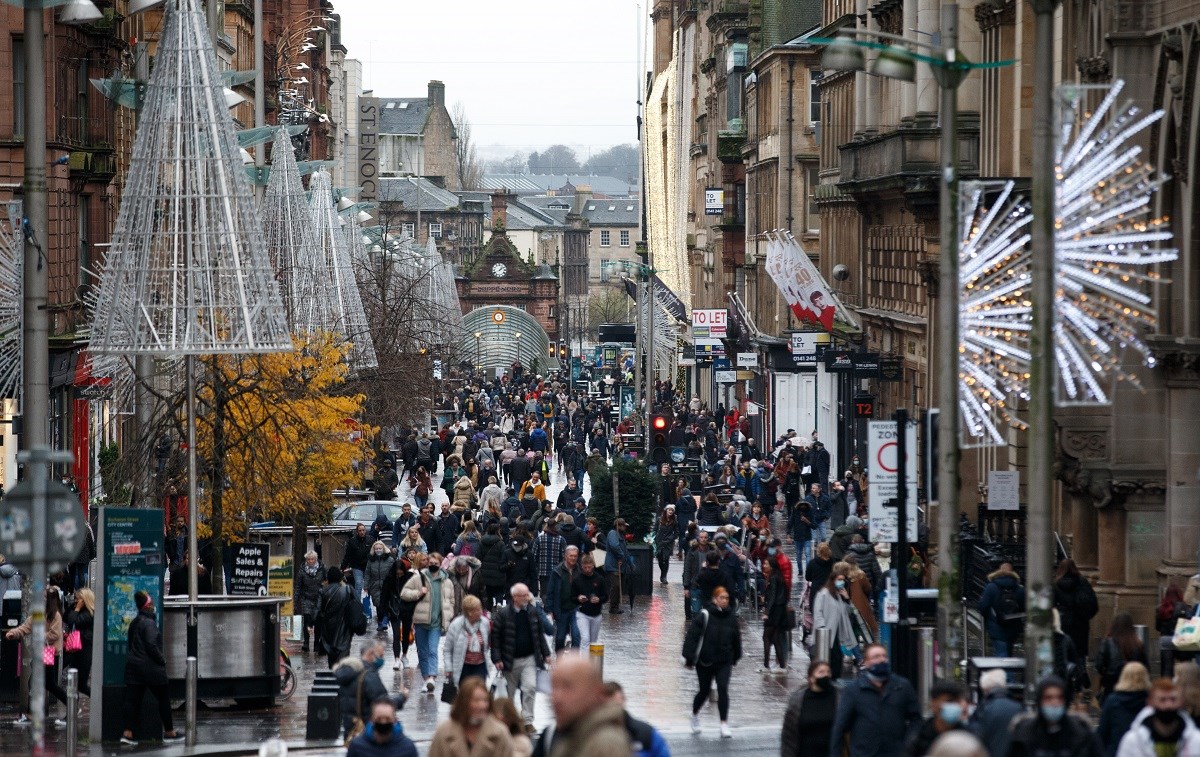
804,553
565,623
589,630
706,675
427,649
523,675
1001,646
420,500
358,581
822,532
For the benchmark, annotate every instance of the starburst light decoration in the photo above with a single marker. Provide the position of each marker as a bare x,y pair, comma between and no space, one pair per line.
11,289
1106,243
338,301
187,272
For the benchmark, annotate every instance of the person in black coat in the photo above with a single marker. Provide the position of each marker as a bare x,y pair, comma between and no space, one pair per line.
396,609
146,668
310,579
712,647
1076,603
448,528
809,716
774,617
518,471
519,565
333,626
1050,728
492,565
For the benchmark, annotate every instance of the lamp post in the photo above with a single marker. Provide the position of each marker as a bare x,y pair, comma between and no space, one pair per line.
1040,489
517,336
950,69
478,352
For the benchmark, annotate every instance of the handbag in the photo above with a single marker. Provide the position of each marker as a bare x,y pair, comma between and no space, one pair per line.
48,654
1187,635
789,618
73,642
449,692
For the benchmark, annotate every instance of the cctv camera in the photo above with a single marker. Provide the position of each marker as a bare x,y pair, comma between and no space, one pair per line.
841,272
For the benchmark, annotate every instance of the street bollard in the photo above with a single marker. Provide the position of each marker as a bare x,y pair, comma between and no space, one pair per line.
821,644
925,668
190,671
596,651
72,710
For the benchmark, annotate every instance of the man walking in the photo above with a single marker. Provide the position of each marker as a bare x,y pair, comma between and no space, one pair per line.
616,562
561,602
358,551
332,622
1162,727
519,648
876,711
548,550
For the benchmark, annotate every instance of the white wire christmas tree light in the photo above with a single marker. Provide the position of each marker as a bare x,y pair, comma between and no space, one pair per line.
339,307
11,290
187,272
1106,243
441,296
291,236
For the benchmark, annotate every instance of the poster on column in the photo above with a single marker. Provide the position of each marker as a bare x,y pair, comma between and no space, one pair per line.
250,569
133,554
883,461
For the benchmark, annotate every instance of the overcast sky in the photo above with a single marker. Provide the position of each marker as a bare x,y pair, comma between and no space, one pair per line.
531,73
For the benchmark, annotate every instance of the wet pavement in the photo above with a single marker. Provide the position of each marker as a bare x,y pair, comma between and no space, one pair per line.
642,652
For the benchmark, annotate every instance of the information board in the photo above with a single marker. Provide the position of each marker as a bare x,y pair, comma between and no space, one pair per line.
882,473
134,560
248,576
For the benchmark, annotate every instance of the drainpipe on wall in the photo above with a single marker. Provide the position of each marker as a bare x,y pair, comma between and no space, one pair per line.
787,151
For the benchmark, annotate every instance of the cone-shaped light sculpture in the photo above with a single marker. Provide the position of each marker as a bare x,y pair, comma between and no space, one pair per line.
337,288
188,271
291,237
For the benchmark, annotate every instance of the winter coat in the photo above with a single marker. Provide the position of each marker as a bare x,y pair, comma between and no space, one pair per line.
144,661
801,523
332,605
839,543
616,552
464,493
454,646
504,636
1137,742
693,561
378,568
450,740
989,602
878,721
54,632
491,561
776,602
309,592
1109,662
710,513
519,567
1076,603
358,551
834,613
423,611
588,586
347,672
869,564
389,598
665,536
713,638
572,536
10,579
817,574
559,596
1117,714
992,718
83,622
1029,735
599,733
796,742
448,530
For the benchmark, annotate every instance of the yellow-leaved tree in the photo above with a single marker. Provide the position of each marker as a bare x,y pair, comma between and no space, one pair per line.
278,436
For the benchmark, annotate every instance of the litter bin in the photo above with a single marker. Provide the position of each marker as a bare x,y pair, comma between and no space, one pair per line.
642,577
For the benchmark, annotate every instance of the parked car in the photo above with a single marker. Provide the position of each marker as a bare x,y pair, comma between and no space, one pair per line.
366,513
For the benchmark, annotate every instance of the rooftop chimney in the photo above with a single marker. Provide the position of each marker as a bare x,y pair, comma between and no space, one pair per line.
500,209
437,93
583,195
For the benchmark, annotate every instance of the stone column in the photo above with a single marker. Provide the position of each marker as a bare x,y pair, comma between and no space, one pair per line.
1083,532
1183,472
1111,545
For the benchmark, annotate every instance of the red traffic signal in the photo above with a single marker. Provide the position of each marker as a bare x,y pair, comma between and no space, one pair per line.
659,421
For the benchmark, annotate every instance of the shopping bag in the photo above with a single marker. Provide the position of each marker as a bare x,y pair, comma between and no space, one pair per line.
73,642
449,692
1187,635
499,687
48,655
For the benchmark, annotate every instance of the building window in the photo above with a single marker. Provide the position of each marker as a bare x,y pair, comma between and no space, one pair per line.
624,237
813,179
814,96
605,238
410,229
18,88
435,230
604,263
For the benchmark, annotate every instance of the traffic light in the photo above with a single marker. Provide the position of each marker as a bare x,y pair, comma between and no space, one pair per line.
552,349
659,452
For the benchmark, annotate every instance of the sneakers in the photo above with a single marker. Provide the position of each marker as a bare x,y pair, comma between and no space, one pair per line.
696,724
726,731
22,720
399,664
127,741
176,739
60,723
429,685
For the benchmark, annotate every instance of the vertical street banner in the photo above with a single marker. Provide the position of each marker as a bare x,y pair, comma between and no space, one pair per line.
250,569
806,292
134,560
628,402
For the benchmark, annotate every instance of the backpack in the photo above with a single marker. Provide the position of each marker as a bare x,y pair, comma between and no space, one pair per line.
1008,607
424,447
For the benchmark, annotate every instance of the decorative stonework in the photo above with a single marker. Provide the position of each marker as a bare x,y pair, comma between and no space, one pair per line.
1094,484
889,14
1094,69
1086,445
992,14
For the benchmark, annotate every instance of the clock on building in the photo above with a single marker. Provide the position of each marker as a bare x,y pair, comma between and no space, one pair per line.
499,270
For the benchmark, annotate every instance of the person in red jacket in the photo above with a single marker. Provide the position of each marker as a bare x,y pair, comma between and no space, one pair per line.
775,549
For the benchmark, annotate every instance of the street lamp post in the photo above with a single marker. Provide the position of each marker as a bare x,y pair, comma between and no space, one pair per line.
478,352
950,69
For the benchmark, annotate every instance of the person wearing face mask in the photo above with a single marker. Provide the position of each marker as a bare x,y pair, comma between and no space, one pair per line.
1161,728
712,647
831,610
809,716
359,684
876,712
383,736
995,712
948,700
774,617
1051,731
